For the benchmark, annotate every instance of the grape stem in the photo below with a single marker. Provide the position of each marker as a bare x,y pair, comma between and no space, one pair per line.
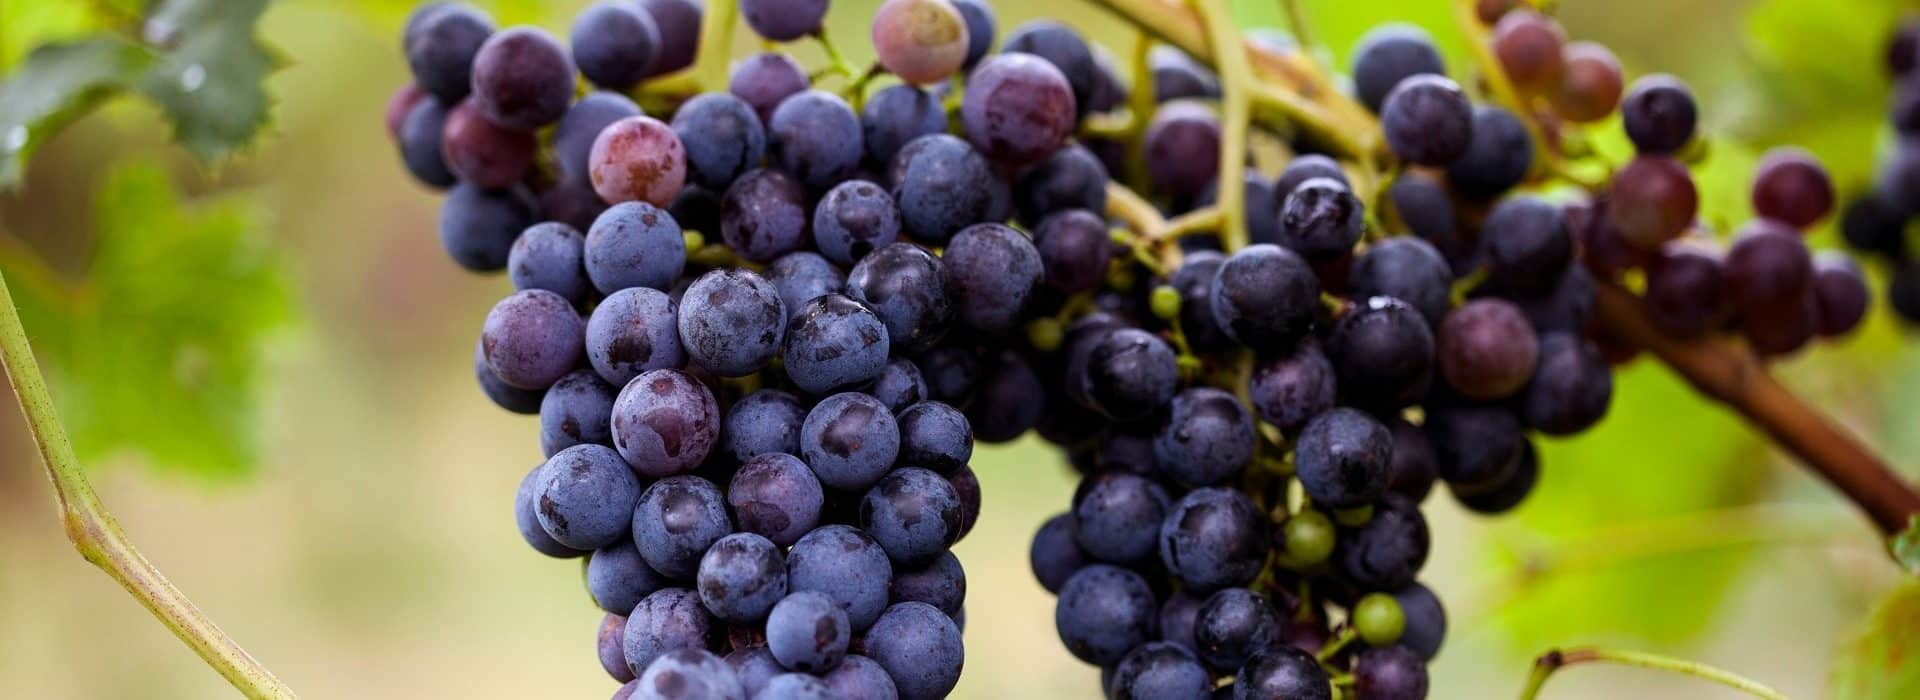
1556,659
1235,111
97,535
1732,374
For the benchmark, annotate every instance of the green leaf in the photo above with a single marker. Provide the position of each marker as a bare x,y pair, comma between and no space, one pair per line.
1883,662
210,79
157,350
54,86
1906,546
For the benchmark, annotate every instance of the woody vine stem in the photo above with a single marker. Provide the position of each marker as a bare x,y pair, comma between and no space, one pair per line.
1283,89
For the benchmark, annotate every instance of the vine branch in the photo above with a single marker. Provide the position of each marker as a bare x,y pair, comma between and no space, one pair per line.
98,537
1557,659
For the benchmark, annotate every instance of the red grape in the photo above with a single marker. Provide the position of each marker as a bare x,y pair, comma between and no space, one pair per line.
1590,87
1792,187
1530,45
638,158
1653,202
922,41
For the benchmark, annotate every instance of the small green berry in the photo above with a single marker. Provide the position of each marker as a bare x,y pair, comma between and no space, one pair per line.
1379,619
695,241
1120,277
1165,303
1309,537
1354,517
1045,334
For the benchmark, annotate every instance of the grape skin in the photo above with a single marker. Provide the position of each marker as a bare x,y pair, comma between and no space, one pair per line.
722,136
1017,109
440,47
993,270
783,20
833,342
1388,54
766,79
1659,114
699,518
1427,120
633,331
914,514
816,136
679,24
1183,141
1233,625
732,322
479,152
1487,349
638,158
920,648
1289,389
418,137
532,338
612,658
548,256
776,496
665,422
1214,538
618,579
1160,670
1497,158
855,218
764,215
896,115
1103,612
921,41
741,577
522,79
942,185
849,567
1265,296
576,411
850,440
634,244
615,44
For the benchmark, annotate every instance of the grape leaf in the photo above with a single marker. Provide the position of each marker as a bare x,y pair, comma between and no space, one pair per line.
1883,662
55,85
157,349
210,79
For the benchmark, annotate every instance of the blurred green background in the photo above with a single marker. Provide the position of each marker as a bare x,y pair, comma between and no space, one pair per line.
266,363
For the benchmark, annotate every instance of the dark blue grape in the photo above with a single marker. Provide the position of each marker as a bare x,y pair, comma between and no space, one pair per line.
419,139
617,578
914,514
635,244
855,218
1282,672
860,678
834,342
667,619
1265,296
1344,458
906,287
1117,516
1382,352
504,395
1498,157
532,338
899,387
846,565
573,202
992,270
526,515
1840,290
576,411
1388,54
774,495
1182,142
763,215
1233,626
802,277
1871,223
1389,673
1571,388
762,422
1659,114
1063,47
675,522
1194,281
482,153
1017,109
1307,167
808,632
1103,613
1487,349
920,648
1321,219
615,44
689,674
632,331
573,137
1426,210
796,686
1290,389
1161,671
1008,400
1415,467
440,48
951,373
477,227
1408,269
764,80
941,584
1213,538
1475,445
1208,437
1055,554
1075,250
816,136
755,666
783,20
942,185
723,138
613,627
1528,243
1177,76
679,23
850,440
980,29
665,422
741,577
1262,206
732,322
1427,120
1426,620
522,79
1386,552
1129,374
896,115
936,436
548,256
1071,178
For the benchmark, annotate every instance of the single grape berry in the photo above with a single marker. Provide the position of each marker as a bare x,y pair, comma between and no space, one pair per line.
1572,387
1128,374
1498,157
1289,389
1018,108
1382,352
1428,120
1321,219
1487,349
992,270
1160,670
855,218
638,158
802,277
1075,250
942,185
1388,54
1183,144
1528,244
1840,289
1792,187
522,79
1104,612
1590,86
441,45
532,338
482,153
722,137
1344,458
419,137
1265,296
634,244
774,494
1213,538
1389,673
1659,114
1686,292
1530,47
615,44
585,497
906,287
665,422
679,23
783,20
1653,201
1768,267
1281,671
922,41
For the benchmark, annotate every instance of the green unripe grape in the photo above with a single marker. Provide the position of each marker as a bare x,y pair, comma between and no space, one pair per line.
1165,303
695,241
1309,537
1379,619
1354,517
1045,334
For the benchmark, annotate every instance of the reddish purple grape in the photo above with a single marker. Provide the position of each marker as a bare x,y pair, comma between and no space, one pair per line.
399,105
1653,201
522,79
1840,293
1792,187
1591,84
1486,349
921,41
1018,108
1183,144
1768,268
1784,329
1530,48
766,79
1686,290
638,159
482,153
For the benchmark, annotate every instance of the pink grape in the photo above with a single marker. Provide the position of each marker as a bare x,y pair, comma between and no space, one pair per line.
921,41
638,158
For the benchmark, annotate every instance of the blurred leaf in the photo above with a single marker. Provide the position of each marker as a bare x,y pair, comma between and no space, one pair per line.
1906,546
211,77
25,24
157,349
1661,452
1883,663
57,84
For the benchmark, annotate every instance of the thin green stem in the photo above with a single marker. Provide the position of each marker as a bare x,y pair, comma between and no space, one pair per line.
1557,659
716,44
1236,110
1339,643
1480,44
1296,12
1198,221
96,534
1140,104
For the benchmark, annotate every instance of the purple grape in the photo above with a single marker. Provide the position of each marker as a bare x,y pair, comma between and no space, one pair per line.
615,44
783,20
481,153
722,136
633,331
1018,108
532,338
855,218
776,496
634,244
548,256
522,79
665,422
993,270
575,412
638,158
764,215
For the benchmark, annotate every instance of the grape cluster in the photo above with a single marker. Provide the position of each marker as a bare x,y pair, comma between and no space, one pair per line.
1876,222
763,330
